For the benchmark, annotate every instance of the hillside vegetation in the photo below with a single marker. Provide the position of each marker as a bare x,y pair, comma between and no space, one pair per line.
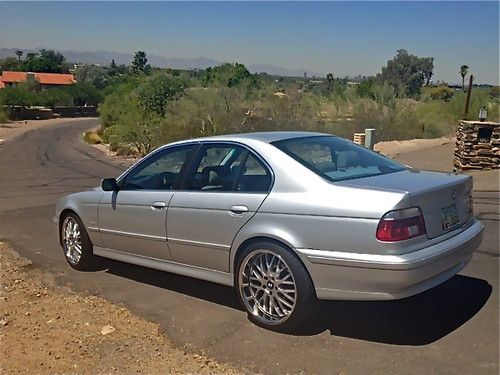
142,107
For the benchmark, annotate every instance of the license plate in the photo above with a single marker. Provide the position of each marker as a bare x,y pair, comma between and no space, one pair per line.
450,217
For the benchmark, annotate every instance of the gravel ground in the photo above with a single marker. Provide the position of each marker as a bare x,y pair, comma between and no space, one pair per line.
47,329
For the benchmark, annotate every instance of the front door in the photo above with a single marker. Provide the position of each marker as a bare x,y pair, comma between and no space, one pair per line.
133,219
224,188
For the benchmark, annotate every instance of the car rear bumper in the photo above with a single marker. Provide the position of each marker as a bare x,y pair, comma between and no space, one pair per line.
343,275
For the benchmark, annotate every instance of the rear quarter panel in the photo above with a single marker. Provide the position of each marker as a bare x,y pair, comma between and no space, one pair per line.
330,219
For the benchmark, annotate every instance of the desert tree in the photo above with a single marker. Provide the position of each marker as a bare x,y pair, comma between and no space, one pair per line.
408,72
19,54
464,69
140,63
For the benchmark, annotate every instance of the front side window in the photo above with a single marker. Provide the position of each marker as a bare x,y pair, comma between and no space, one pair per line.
337,159
227,167
160,172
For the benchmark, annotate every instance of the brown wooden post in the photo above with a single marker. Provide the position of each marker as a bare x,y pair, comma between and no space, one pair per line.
466,112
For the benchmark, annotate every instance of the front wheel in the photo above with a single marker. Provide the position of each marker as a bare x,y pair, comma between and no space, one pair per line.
274,286
76,243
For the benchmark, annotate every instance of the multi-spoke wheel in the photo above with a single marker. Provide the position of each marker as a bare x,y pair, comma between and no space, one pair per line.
273,285
72,240
76,242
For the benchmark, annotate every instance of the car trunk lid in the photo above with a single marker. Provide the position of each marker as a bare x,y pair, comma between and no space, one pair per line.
443,198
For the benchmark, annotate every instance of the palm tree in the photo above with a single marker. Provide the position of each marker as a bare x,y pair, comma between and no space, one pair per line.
463,72
19,54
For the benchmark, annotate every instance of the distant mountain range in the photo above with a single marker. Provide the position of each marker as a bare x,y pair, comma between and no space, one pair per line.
105,57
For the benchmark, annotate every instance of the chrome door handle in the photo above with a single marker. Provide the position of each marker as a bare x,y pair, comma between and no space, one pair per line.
158,205
238,209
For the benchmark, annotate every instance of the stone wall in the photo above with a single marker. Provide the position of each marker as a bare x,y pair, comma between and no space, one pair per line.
477,145
40,113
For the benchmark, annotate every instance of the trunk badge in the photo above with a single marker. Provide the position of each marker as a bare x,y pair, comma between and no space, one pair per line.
453,195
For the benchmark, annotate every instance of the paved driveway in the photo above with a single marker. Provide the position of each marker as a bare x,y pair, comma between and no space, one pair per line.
452,328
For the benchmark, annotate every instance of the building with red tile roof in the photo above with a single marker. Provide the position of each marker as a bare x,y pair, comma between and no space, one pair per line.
9,78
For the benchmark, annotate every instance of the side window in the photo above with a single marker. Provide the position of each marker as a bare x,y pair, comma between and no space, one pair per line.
225,167
254,177
160,172
217,168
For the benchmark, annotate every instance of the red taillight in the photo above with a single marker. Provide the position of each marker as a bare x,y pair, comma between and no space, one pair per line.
400,225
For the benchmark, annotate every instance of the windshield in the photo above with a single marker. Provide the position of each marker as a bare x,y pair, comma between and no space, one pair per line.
337,159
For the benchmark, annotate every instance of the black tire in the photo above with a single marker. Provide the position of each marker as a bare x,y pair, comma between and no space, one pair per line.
87,259
305,297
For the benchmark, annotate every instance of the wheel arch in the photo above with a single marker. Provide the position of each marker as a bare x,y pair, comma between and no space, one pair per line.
235,257
282,238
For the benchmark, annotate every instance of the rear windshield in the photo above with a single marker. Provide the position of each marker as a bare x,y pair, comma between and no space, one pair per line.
337,159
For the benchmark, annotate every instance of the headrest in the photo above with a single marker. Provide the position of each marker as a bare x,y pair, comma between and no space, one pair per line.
238,169
220,170
346,159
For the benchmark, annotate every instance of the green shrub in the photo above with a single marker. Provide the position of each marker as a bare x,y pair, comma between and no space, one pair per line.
3,116
17,95
443,93
495,92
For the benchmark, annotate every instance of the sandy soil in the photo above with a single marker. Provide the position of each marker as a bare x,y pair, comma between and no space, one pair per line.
15,128
394,148
47,329
125,160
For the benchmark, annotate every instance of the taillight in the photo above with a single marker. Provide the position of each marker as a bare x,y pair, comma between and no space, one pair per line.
400,225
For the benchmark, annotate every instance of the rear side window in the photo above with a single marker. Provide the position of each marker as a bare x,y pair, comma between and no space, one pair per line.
254,177
337,159
228,168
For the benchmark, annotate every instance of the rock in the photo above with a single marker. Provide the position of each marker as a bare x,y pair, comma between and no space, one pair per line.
3,322
107,329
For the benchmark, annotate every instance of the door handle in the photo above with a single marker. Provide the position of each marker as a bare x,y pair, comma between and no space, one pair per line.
238,209
158,205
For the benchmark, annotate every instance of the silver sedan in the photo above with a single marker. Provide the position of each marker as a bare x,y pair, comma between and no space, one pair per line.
284,217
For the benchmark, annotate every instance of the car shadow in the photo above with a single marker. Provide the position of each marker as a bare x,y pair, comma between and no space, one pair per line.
196,288
417,320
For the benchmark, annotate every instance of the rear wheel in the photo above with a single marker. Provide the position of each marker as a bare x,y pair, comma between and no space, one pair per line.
274,286
76,243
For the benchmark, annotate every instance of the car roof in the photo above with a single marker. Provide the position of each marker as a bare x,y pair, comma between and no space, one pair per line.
266,137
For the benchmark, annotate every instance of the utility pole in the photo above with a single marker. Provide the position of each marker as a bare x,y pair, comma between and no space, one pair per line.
466,111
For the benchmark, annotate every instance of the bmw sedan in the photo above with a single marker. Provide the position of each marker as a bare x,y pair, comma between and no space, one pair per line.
285,218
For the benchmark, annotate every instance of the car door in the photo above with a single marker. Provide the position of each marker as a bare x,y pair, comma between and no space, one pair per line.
223,189
133,219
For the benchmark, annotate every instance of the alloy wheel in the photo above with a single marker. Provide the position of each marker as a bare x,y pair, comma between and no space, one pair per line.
72,240
267,287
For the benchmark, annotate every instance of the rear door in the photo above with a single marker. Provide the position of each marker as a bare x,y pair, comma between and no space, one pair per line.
224,188
133,219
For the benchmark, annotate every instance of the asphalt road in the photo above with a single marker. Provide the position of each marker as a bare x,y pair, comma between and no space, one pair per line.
452,328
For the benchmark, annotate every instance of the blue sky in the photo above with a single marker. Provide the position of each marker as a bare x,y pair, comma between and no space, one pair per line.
344,38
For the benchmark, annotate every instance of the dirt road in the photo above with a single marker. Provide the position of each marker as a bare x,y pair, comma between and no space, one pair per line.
452,328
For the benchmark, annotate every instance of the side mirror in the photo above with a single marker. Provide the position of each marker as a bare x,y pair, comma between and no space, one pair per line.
109,184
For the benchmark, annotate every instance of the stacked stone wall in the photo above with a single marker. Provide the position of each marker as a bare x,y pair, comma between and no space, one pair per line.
477,145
